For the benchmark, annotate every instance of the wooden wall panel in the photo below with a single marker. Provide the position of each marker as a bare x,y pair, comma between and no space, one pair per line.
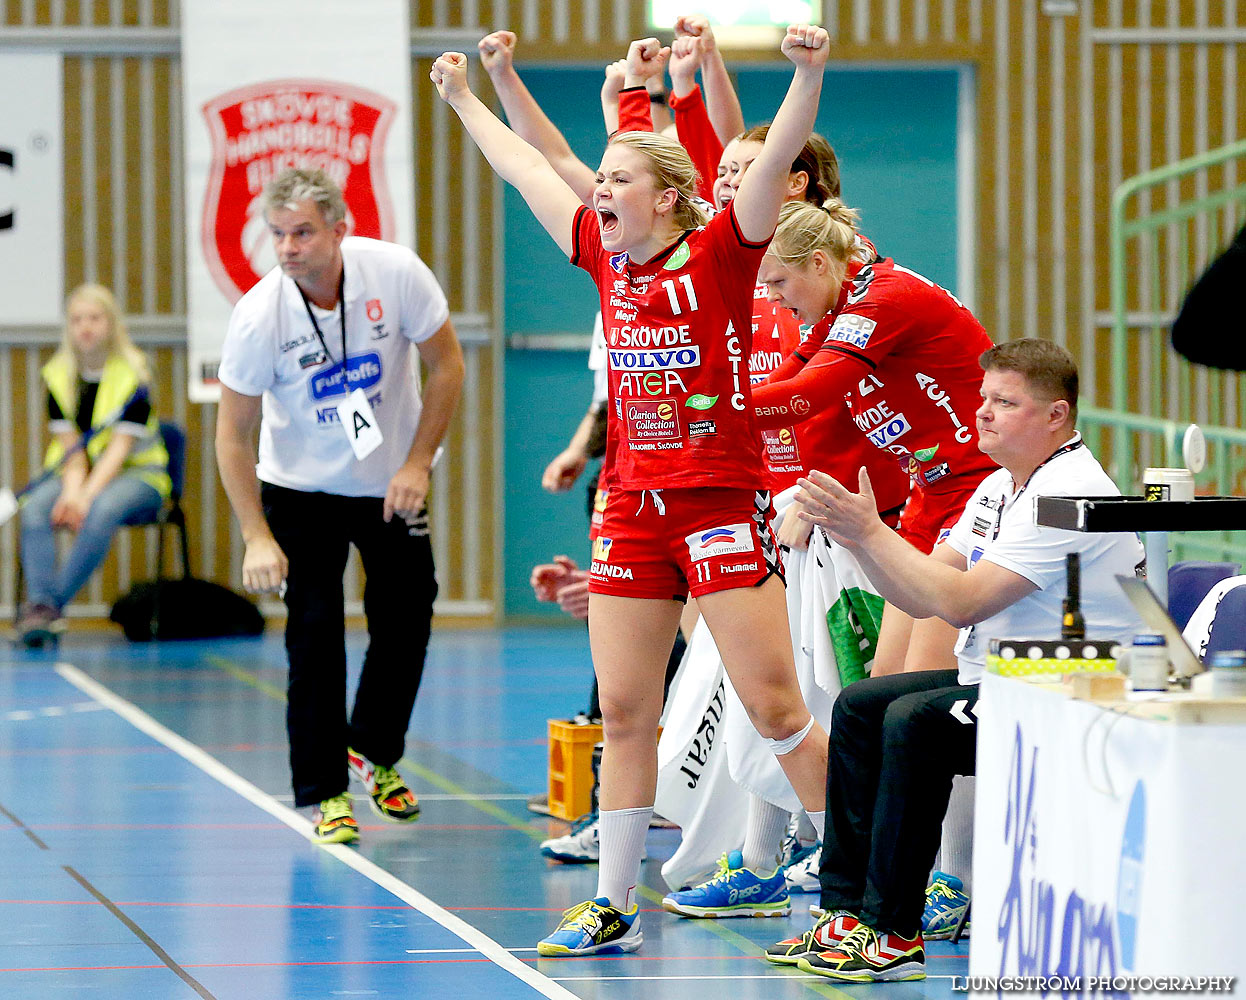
1067,107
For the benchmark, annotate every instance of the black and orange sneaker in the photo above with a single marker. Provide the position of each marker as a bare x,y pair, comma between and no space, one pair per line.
870,956
828,933
391,798
336,822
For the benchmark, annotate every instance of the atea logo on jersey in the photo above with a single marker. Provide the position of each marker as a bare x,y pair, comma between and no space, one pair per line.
852,329
723,540
360,372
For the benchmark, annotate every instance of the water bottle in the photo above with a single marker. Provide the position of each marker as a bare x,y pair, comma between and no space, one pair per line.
1148,662
1228,674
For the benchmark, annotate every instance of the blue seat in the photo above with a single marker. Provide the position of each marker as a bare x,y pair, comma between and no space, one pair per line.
1228,628
1189,582
171,514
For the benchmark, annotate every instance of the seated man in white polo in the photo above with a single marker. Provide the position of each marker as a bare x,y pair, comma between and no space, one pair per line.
896,742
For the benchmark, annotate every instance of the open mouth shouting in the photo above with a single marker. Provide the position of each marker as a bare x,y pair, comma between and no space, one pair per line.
609,222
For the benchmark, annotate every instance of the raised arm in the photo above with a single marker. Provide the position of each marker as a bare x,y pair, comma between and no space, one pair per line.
764,186
646,58
720,97
549,197
692,123
615,72
530,123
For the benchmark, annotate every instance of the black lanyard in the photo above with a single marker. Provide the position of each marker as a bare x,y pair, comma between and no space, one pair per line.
1064,449
341,301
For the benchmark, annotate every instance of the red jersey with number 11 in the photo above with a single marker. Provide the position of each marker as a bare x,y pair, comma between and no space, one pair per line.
678,338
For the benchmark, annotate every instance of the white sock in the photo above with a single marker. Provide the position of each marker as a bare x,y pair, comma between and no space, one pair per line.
806,832
763,840
956,850
622,833
818,819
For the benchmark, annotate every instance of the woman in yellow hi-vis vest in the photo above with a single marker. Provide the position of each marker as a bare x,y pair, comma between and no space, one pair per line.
97,390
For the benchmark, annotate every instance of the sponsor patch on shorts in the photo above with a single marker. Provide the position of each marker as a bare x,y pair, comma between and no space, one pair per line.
723,540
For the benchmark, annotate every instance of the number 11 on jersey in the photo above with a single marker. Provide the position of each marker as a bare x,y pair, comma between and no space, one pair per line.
672,294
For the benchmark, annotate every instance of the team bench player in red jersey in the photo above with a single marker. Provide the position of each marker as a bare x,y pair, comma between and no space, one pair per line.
687,510
902,353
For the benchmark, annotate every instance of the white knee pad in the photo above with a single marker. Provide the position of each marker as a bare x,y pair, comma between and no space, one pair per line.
780,747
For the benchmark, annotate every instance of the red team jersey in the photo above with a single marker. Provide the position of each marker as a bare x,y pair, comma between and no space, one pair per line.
827,442
912,376
776,334
678,338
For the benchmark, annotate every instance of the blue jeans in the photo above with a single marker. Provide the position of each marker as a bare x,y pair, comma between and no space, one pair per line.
126,500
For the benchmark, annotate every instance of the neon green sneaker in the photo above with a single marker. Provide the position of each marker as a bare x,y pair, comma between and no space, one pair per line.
391,798
336,823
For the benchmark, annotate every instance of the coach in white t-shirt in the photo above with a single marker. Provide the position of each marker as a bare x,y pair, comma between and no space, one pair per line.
319,355
896,742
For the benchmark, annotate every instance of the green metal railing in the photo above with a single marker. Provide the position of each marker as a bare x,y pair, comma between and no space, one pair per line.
1155,256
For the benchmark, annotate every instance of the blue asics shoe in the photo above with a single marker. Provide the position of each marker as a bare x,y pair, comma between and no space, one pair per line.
946,902
592,927
734,892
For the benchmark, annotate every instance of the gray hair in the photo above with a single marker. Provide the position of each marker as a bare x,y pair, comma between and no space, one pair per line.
295,184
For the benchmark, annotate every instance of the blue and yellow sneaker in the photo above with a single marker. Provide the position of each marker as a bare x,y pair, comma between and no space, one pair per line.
593,927
946,902
735,891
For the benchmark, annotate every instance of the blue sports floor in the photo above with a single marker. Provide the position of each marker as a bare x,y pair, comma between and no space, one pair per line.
148,848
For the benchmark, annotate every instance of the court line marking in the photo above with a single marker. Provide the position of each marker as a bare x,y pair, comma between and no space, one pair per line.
142,935
484,944
800,977
19,825
481,802
738,941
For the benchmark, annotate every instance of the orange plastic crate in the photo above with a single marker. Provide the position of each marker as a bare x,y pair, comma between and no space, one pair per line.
571,768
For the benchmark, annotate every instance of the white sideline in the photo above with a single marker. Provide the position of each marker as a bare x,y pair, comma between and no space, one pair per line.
485,945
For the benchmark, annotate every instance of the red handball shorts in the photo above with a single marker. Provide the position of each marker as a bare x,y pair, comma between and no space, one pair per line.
929,517
667,544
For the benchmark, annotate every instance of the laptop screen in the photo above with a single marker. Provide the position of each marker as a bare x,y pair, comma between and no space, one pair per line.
1156,617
